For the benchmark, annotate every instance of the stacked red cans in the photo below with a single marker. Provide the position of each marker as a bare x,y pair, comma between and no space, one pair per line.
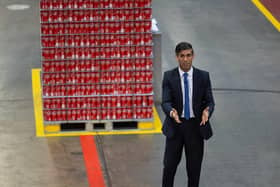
96,60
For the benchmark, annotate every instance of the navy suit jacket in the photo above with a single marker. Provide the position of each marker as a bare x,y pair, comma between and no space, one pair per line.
172,97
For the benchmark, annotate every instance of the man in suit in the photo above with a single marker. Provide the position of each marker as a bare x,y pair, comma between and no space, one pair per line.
187,101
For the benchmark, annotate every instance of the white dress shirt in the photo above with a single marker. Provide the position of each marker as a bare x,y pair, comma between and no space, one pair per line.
190,82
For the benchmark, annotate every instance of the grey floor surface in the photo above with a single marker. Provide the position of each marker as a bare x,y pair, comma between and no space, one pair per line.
232,40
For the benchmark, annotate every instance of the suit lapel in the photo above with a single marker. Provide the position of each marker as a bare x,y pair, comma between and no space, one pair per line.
177,82
195,85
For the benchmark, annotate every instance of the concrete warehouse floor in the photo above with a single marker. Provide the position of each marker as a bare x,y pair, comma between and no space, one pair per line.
232,40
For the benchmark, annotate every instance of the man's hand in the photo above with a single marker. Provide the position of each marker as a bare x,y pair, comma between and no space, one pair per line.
174,115
205,116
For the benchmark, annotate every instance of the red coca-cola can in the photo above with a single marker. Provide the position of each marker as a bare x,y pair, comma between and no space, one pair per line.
88,3
45,41
45,54
147,13
93,78
129,101
128,3
138,101
56,16
45,29
137,14
54,103
75,90
149,112
138,113
46,78
118,100
124,113
53,115
58,90
79,114
147,3
150,100
63,90
137,65
148,64
88,90
55,28
132,51
118,113
110,89
113,113
59,115
105,90
148,88
128,76
92,102
68,103
137,76
92,52
147,39
113,101
92,113
87,102
83,90
146,113
46,66
46,103
148,51
73,115
132,88
138,3
69,115
46,91
107,52
130,27
54,66
98,114
61,28
129,114
147,25
93,90
144,101
63,115
103,114
85,65
149,76
69,41
77,102
62,103
43,4
51,90
122,101
47,115
60,41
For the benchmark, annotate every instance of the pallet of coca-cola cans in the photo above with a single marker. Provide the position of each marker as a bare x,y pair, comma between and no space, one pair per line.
96,60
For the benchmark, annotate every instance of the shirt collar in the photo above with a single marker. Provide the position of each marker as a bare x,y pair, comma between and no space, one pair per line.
190,72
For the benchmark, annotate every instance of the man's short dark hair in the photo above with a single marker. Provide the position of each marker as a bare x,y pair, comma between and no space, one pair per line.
182,46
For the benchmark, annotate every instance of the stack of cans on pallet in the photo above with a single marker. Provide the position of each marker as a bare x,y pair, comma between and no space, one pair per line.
96,60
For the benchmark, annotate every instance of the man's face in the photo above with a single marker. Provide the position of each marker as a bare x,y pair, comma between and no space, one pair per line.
185,58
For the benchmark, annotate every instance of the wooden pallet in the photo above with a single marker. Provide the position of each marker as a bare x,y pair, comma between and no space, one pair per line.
105,126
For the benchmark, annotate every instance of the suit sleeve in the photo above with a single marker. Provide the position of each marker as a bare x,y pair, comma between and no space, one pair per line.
208,97
166,95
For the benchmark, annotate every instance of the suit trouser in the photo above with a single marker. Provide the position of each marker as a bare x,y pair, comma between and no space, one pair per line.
186,136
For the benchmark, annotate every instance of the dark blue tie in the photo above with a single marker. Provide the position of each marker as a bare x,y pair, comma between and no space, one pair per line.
186,105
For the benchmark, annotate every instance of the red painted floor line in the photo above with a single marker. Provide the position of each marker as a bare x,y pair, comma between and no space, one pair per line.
92,162
273,6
